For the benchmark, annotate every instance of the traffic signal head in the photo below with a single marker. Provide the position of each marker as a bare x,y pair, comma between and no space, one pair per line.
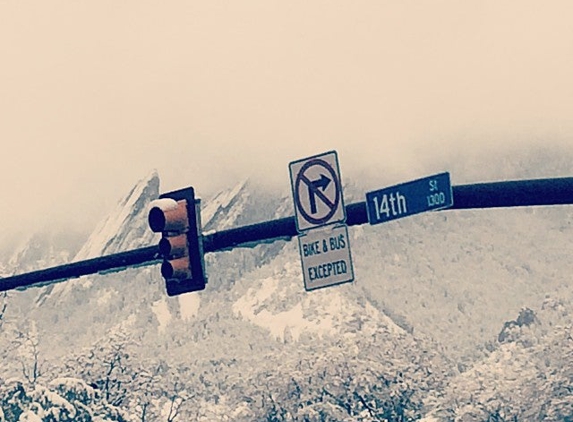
177,216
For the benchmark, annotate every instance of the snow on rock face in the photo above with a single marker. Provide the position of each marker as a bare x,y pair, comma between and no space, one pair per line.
189,305
161,311
37,251
222,204
20,251
244,204
278,304
251,307
126,227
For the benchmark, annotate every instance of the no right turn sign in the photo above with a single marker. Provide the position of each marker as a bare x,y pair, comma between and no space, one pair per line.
317,191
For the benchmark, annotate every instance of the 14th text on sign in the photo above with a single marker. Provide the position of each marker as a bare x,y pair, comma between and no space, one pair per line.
427,194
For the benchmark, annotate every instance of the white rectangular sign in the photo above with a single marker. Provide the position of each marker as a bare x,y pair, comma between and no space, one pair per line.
325,257
317,191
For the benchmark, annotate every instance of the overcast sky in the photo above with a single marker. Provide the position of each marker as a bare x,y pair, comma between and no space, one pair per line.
96,94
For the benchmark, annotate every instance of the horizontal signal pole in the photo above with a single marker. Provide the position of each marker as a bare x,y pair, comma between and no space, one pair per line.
109,263
473,196
522,193
483,195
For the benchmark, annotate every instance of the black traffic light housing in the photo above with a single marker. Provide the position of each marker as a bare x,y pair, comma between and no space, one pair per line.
177,215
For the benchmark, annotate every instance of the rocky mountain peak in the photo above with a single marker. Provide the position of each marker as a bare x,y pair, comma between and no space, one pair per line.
125,228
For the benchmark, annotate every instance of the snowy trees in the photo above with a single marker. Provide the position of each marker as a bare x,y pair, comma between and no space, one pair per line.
527,375
158,393
62,400
105,366
369,374
27,346
353,379
29,395
149,390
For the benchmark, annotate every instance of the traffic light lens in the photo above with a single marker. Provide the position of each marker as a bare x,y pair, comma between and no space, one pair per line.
156,219
173,218
166,270
173,246
165,246
177,268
